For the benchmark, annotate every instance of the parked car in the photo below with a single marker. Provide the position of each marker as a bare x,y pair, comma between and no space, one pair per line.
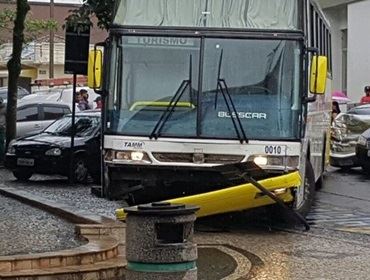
22,92
345,132
49,152
363,151
32,117
62,95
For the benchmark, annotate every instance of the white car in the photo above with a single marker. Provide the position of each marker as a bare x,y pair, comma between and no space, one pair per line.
34,117
62,95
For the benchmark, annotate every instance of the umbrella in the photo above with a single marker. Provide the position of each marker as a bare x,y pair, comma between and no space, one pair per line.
340,97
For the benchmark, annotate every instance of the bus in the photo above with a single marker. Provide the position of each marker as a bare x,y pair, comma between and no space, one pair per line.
193,84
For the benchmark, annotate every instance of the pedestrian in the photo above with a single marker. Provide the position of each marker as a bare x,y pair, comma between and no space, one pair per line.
82,100
98,102
2,129
366,99
335,110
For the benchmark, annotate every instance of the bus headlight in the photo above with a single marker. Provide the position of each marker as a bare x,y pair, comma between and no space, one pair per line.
260,160
282,162
127,156
137,156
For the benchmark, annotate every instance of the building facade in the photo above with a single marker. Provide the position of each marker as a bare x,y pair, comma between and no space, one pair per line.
36,54
350,24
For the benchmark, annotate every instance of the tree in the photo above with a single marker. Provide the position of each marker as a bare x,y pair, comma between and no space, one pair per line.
14,69
102,9
23,31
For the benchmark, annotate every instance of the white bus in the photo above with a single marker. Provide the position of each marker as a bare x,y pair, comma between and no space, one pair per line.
193,84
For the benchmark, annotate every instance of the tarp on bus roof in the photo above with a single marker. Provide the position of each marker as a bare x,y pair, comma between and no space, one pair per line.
256,14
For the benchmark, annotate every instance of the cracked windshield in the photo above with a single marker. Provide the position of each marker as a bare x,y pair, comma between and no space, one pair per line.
160,74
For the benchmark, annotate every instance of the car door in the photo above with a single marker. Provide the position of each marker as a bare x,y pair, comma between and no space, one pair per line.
28,119
52,112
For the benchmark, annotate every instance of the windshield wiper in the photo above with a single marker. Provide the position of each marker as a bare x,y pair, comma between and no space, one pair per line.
172,104
169,109
234,114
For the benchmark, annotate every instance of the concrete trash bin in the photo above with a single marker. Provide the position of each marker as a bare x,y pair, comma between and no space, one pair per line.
159,242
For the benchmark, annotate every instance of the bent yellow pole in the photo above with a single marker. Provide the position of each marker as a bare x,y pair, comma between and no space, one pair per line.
237,198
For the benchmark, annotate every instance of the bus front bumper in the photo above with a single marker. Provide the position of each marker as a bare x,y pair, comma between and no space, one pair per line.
238,198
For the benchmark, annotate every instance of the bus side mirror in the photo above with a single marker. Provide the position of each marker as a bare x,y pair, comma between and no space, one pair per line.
94,73
319,72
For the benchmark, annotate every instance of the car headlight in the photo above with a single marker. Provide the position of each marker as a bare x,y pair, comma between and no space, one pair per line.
53,152
11,148
362,141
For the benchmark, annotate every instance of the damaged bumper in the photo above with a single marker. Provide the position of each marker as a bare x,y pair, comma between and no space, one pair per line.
238,198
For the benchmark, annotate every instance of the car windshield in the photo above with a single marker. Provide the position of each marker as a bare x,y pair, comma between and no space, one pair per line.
155,75
85,126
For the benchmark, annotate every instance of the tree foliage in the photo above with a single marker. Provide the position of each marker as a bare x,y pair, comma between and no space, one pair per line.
102,9
32,27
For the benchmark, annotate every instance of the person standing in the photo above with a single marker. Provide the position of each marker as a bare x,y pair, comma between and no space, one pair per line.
98,103
82,100
335,110
366,99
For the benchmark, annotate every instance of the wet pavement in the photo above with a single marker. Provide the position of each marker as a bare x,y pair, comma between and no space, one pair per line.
336,247
26,230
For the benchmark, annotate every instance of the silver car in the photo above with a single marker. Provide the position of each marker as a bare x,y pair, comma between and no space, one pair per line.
34,117
345,132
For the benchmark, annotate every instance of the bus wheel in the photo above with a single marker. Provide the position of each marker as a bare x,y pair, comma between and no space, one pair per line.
309,190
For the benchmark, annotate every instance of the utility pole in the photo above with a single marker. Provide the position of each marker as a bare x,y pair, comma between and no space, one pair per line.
51,43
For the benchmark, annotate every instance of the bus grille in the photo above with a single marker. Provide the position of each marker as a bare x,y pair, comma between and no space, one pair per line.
189,158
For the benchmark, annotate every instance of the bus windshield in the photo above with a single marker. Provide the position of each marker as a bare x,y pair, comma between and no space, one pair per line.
251,14
152,75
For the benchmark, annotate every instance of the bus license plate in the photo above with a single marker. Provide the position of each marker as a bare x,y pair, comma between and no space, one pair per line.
25,162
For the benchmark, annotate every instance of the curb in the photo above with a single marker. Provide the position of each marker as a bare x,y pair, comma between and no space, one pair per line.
67,212
96,227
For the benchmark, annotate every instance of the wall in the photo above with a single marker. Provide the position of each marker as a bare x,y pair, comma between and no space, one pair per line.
338,21
358,48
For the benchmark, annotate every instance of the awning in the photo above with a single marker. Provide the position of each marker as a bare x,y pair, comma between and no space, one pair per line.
3,66
28,71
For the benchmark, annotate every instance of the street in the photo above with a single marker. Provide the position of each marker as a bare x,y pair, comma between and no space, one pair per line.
336,247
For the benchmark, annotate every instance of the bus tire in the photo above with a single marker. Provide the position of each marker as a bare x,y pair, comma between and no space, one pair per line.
309,190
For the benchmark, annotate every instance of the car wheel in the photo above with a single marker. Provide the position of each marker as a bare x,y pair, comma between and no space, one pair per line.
80,170
366,168
309,190
22,175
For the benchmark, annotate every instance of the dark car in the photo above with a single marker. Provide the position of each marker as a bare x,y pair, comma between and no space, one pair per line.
363,150
49,152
